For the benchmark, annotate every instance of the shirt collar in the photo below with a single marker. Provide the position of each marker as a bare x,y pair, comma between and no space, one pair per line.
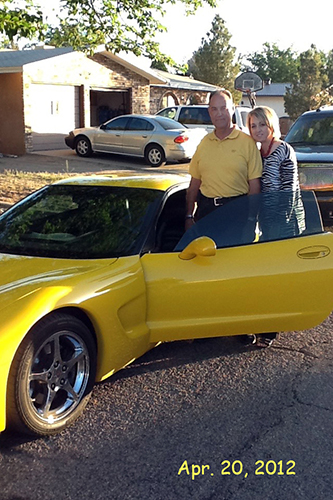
234,134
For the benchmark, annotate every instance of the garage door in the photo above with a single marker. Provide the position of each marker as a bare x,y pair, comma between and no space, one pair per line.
54,112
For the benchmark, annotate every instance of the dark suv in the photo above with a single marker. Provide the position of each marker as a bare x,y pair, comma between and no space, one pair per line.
312,138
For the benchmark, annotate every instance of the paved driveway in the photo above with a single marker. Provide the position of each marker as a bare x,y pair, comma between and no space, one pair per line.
208,420
66,160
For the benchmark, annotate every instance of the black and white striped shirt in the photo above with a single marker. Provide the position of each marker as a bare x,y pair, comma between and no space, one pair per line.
280,171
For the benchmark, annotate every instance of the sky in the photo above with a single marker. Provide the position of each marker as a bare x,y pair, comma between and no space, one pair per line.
288,23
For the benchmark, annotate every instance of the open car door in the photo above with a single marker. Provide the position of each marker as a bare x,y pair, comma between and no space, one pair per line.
257,264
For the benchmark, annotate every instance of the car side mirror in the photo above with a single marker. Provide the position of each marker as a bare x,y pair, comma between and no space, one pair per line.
203,247
103,126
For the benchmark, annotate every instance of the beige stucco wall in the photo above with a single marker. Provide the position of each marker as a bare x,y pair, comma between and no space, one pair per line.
12,122
69,69
274,102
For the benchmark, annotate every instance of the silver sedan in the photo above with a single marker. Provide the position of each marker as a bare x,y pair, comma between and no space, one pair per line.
157,139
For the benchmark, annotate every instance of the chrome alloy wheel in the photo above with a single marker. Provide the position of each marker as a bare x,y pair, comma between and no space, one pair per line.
58,376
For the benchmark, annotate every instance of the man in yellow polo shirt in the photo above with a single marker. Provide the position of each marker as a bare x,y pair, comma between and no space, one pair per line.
226,164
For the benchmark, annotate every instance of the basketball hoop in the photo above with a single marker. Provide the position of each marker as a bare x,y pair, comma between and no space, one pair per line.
249,83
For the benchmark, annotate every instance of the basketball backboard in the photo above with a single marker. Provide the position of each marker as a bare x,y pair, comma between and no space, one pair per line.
248,82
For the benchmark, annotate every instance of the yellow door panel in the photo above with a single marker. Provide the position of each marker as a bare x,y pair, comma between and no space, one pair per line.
249,289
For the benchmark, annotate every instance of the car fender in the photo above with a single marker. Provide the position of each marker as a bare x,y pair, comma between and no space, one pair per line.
114,300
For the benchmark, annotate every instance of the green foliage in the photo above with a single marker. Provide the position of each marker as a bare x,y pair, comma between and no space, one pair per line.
16,21
214,62
119,25
159,65
310,73
280,66
309,89
329,66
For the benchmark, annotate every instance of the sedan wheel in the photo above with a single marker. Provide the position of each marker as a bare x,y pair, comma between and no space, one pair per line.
83,147
51,376
155,155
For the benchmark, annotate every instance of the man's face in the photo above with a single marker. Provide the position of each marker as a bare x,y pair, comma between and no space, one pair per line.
221,110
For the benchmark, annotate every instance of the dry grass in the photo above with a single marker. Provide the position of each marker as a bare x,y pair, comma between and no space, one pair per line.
16,185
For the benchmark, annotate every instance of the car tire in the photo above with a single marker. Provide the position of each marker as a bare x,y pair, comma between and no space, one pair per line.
83,146
51,376
155,156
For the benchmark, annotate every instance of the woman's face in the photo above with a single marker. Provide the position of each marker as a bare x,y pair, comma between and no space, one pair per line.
259,131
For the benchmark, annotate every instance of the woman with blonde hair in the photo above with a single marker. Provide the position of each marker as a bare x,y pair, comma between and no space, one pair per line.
280,171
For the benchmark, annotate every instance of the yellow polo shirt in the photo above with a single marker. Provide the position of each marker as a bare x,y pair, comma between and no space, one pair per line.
225,166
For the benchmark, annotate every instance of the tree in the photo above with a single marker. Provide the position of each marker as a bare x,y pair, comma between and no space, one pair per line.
156,64
279,66
16,22
308,89
119,25
329,66
214,62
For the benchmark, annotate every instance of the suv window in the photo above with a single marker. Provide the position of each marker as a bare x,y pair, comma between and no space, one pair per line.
244,115
312,129
168,113
194,116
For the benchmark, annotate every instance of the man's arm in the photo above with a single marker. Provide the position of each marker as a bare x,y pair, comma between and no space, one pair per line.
254,186
191,197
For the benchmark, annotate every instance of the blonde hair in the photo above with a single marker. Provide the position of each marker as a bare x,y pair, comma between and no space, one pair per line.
268,116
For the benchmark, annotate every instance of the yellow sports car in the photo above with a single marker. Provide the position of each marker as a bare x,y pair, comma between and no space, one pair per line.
97,270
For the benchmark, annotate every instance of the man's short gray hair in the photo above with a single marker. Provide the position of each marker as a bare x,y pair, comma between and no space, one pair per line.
220,92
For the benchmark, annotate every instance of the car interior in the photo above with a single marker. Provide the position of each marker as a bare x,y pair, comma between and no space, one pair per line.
171,223
170,228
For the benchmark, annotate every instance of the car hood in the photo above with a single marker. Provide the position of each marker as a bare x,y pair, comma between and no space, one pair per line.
21,276
314,154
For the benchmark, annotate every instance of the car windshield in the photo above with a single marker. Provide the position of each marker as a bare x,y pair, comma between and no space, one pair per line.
79,222
168,124
315,129
257,219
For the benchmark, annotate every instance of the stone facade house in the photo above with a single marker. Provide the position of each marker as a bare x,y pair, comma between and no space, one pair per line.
47,92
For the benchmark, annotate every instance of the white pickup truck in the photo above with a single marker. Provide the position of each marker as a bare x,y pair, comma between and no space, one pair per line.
197,116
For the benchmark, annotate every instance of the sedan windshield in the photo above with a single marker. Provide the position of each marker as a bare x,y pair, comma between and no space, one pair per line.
78,222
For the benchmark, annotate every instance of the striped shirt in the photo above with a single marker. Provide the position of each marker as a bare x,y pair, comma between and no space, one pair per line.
280,171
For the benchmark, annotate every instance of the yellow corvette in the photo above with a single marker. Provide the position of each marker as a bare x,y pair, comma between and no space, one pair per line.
95,271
